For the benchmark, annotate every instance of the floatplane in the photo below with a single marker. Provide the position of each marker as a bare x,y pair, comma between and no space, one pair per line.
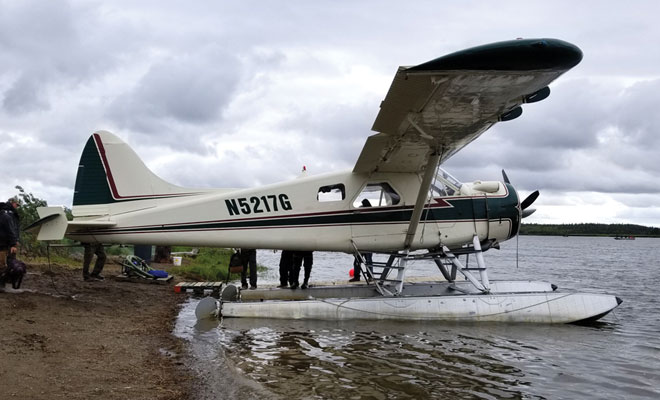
397,201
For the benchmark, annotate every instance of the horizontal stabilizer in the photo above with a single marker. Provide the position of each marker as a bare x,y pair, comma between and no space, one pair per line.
52,223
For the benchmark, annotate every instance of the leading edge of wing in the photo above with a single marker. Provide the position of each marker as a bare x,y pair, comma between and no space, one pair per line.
442,105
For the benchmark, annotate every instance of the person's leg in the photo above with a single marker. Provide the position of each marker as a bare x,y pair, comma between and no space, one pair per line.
368,257
356,270
87,259
295,270
3,266
17,283
244,262
308,260
100,261
285,267
252,261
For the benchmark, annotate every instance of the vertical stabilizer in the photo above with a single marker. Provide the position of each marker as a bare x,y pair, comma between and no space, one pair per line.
112,177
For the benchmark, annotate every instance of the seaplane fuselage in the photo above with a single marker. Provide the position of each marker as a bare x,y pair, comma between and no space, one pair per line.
322,212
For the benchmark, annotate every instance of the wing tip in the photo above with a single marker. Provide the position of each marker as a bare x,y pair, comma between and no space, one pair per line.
510,55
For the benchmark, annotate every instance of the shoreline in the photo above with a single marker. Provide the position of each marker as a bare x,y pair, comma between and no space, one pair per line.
63,337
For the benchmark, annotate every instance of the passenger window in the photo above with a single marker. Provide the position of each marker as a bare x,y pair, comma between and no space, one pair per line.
331,193
377,195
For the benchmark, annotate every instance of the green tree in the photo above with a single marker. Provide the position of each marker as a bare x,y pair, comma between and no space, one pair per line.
27,212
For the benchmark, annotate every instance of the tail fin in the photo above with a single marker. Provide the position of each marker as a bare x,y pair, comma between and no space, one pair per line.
111,176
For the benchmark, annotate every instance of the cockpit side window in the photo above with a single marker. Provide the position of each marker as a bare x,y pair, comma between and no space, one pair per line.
377,195
336,192
445,185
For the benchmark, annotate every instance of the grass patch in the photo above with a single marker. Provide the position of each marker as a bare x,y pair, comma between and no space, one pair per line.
210,264
59,259
71,255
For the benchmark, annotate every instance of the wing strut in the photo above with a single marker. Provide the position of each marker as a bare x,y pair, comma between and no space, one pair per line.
431,167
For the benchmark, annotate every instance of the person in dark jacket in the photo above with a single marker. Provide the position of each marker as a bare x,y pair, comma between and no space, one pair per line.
9,234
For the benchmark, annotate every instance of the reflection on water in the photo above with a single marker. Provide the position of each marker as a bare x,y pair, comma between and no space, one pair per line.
333,361
617,358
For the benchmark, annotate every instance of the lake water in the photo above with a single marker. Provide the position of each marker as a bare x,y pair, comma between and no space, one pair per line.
614,359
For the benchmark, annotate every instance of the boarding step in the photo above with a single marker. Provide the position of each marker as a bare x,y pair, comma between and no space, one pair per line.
199,287
380,264
384,266
380,278
380,271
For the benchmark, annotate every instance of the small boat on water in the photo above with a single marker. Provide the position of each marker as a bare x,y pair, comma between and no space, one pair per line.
624,238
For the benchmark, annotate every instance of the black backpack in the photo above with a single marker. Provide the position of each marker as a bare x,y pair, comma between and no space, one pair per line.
235,263
15,271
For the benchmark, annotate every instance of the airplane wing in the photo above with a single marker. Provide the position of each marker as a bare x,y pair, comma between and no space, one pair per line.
440,106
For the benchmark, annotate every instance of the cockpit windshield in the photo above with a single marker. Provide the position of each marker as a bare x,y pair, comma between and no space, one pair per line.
445,184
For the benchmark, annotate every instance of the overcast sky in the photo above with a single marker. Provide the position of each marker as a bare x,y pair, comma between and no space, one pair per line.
243,93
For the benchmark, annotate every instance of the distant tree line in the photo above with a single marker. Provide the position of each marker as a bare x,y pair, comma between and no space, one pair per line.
589,230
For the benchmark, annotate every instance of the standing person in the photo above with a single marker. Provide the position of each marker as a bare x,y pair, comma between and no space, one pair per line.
249,259
286,265
90,250
356,266
9,234
302,258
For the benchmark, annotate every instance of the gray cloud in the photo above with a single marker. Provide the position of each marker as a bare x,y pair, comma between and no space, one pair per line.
588,136
190,89
24,96
236,94
637,114
48,48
